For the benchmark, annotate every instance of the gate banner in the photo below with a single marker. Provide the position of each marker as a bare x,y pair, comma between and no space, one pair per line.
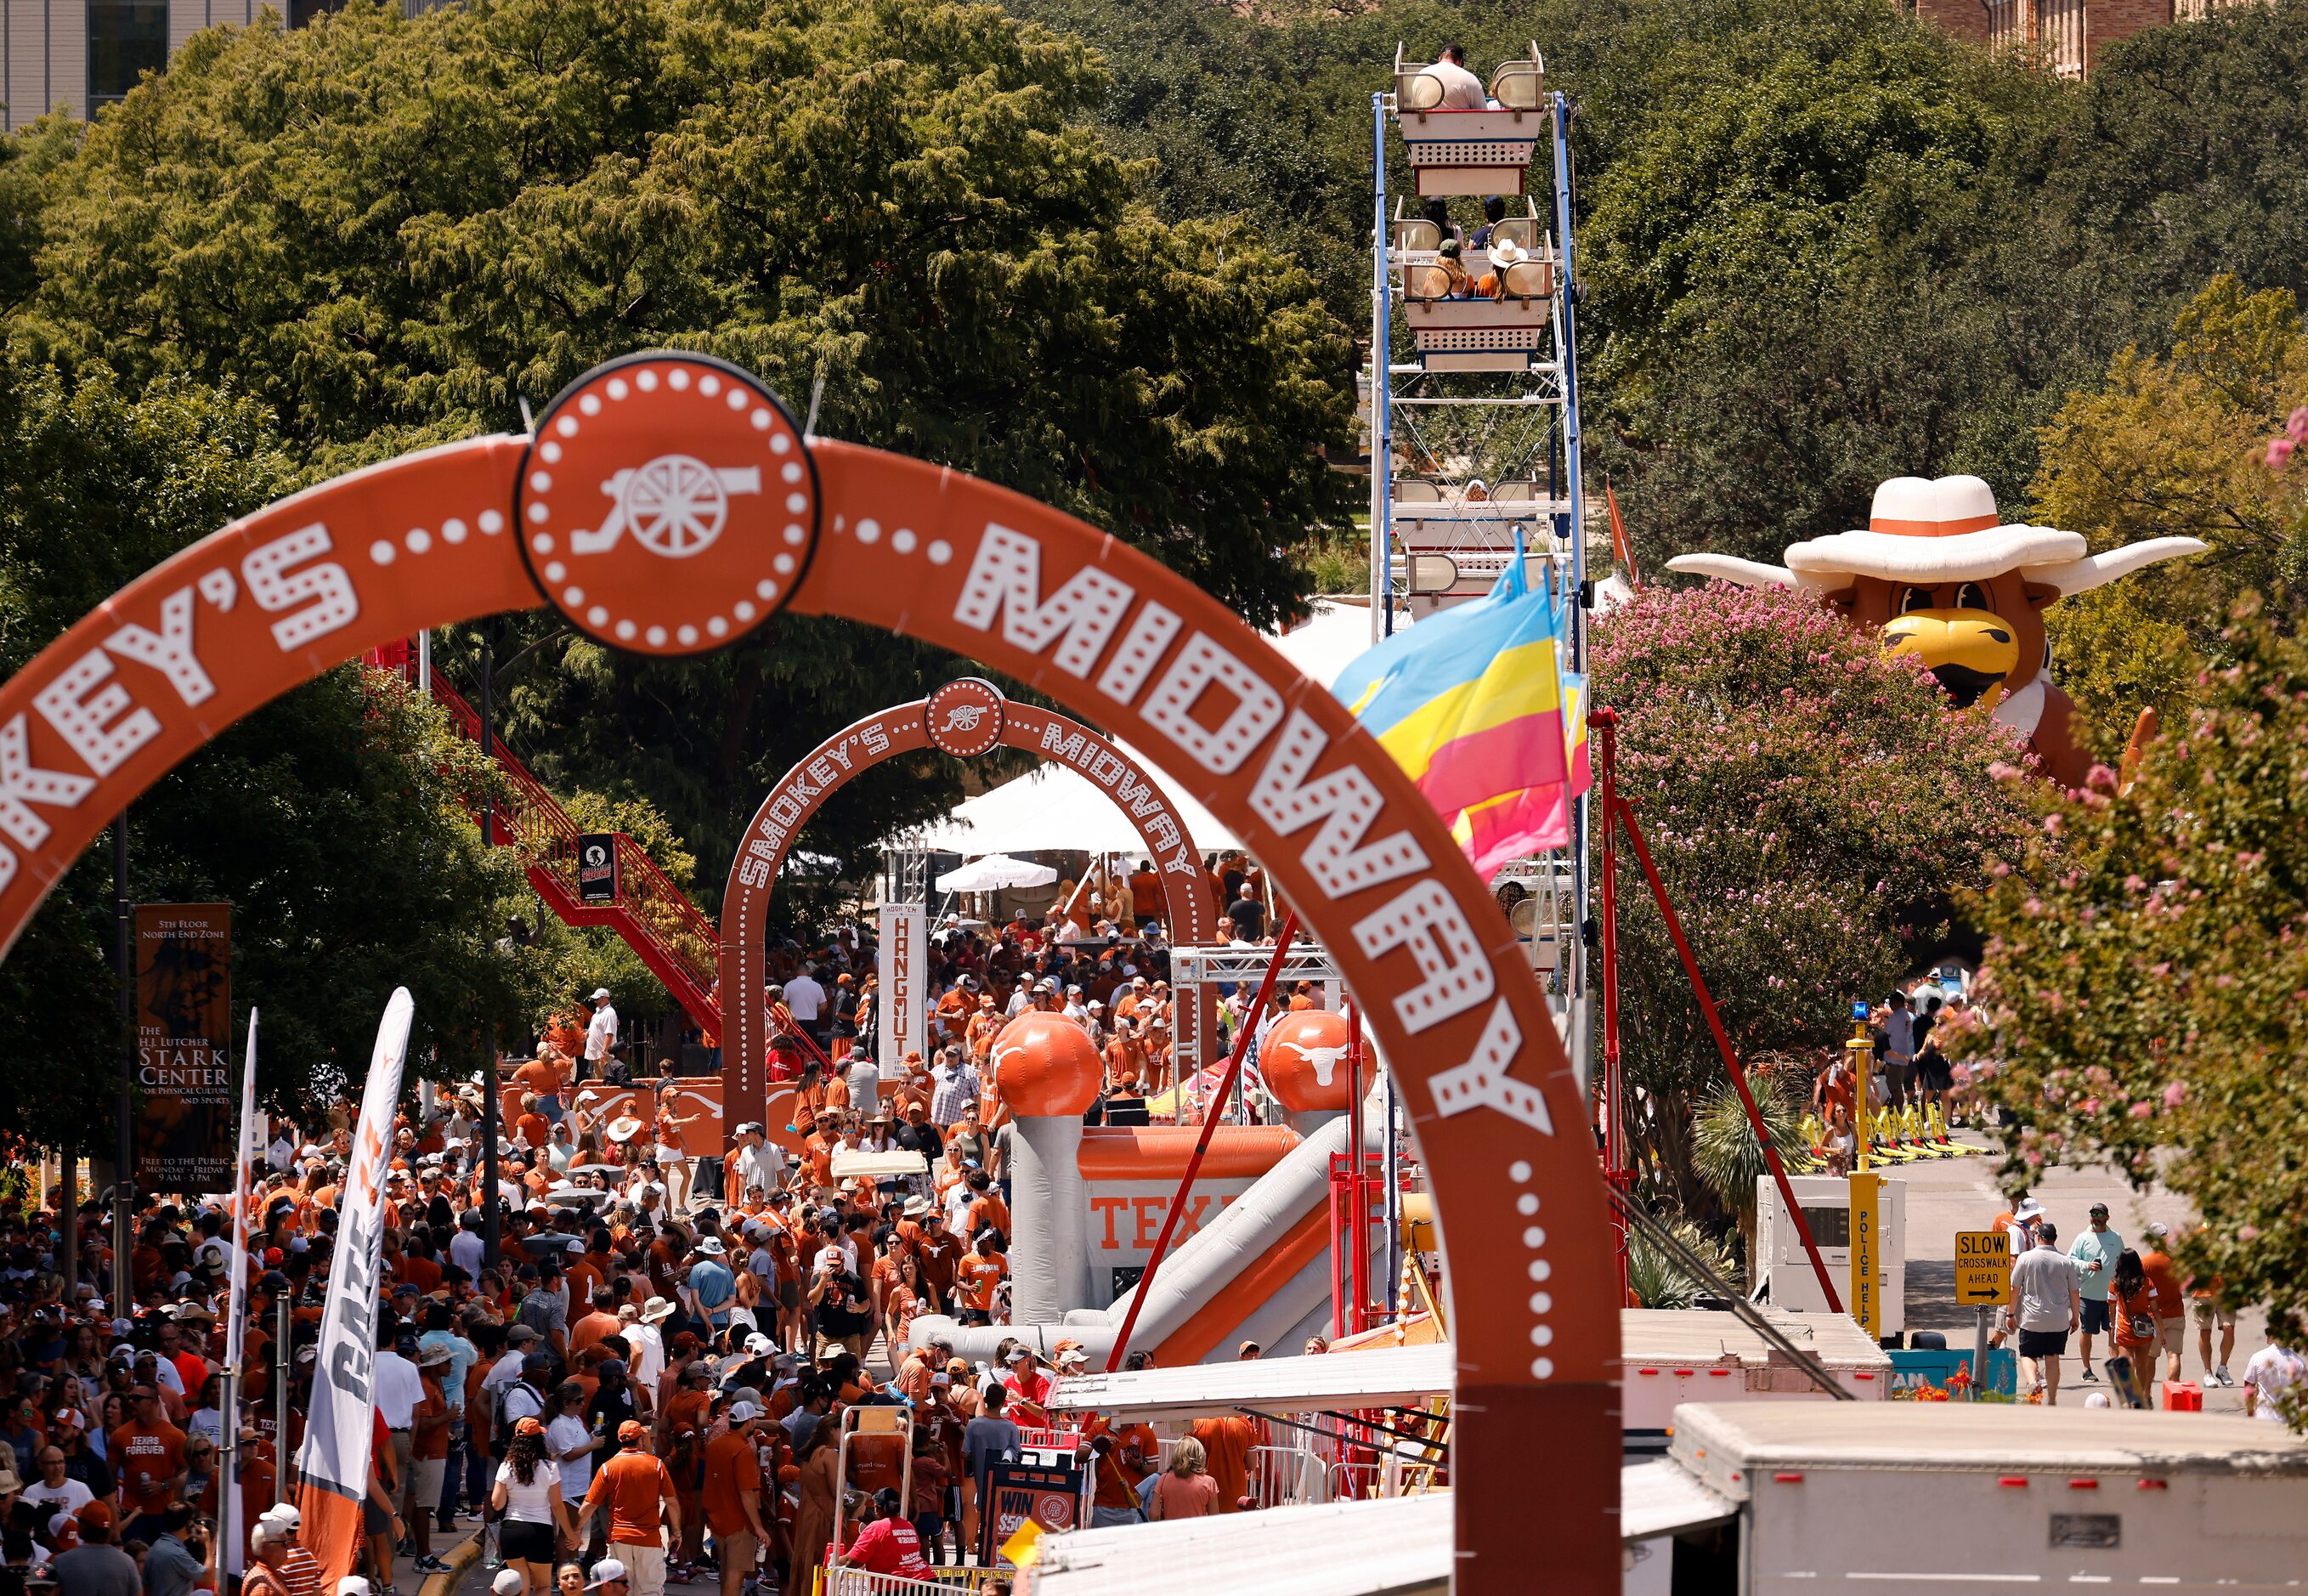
1019,1493
597,868
904,931
334,1461
184,1046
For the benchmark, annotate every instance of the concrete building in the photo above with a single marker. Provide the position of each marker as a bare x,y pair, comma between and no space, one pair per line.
80,56
2069,34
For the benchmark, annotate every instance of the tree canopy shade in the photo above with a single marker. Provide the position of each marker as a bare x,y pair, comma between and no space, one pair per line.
330,820
2145,990
1812,807
2176,446
394,231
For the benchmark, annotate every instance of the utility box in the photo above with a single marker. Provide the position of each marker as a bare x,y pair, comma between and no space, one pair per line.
1784,1277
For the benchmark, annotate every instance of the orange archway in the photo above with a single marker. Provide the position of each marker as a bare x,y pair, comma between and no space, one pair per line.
667,502
964,718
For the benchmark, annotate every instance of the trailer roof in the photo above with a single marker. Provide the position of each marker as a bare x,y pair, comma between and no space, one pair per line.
1371,1378
1703,1335
1719,1440
1389,1547
1660,1497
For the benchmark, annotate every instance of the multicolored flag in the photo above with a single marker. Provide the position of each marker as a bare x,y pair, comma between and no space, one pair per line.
1470,704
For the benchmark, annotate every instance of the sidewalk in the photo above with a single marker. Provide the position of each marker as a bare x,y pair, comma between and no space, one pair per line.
1945,1196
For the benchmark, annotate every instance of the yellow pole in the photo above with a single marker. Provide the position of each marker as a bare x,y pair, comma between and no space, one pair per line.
1860,1052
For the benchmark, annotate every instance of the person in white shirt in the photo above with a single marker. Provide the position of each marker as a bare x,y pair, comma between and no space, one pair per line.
397,1388
600,1034
2275,1374
54,1489
806,1000
756,1163
2046,1306
1462,90
467,1248
647,1339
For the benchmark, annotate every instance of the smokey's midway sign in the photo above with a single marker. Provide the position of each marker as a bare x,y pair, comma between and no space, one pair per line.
334,1460
188,1093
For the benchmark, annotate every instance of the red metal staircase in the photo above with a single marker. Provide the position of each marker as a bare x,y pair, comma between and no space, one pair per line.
670,935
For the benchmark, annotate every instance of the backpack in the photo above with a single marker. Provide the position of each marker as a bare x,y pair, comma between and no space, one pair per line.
504,1423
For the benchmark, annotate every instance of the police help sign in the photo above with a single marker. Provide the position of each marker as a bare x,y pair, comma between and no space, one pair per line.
1982,1268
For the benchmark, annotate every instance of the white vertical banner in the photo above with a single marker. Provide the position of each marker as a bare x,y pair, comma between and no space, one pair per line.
334,1461
236,1315
905,969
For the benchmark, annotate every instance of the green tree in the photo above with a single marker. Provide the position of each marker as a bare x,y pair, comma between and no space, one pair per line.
330,820
2143,993
1812,807
393,229
1727,1155
2175,446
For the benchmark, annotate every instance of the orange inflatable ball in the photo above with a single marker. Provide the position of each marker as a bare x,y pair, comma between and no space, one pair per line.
1305,1061
1045,1066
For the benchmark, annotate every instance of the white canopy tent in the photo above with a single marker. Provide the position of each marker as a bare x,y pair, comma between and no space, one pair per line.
993,873
1057,806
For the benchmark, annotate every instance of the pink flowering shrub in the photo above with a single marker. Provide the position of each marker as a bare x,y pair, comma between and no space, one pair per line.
1811,805
2146,987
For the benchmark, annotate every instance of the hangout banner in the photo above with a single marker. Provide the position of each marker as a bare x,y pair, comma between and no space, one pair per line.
904,931
334,1461
183,1047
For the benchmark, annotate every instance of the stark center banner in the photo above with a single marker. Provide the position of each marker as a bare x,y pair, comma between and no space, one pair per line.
185,1124
904,968
334,1461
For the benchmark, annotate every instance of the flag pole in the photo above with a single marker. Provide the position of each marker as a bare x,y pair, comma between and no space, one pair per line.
222,1561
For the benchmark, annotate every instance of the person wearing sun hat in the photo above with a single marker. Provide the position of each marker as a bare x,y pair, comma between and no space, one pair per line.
1940,576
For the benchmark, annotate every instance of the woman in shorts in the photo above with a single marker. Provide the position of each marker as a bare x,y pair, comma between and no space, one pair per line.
528,1494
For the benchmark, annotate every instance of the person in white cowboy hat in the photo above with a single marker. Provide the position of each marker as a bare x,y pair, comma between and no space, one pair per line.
1937,572
1497,283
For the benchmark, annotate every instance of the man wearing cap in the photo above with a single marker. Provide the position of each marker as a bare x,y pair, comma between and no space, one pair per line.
609,1578
300,1570
600,1035
635,1491
2096,1253
709,1287
2047,1305
96,1566
428,1462
757,1163
733,1496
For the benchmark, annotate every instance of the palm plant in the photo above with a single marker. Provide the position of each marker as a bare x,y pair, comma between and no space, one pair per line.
1728,1158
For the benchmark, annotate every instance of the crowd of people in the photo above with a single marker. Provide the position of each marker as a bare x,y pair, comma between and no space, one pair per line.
2134,1304
631,1379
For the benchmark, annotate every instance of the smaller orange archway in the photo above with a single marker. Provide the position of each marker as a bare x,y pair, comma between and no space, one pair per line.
965,718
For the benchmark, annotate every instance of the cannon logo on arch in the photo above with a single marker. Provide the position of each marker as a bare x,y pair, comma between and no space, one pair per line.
666,504
964,717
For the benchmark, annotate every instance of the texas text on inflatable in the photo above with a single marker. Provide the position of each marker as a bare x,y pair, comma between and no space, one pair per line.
666,503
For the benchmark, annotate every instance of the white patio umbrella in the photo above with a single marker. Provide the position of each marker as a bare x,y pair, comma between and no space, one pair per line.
994,872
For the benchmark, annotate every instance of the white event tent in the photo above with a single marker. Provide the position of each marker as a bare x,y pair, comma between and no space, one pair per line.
1055,806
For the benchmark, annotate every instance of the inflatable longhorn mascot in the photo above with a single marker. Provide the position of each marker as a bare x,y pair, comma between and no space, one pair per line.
1942,579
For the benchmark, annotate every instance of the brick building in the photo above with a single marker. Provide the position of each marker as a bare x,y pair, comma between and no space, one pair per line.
80,56
2070,34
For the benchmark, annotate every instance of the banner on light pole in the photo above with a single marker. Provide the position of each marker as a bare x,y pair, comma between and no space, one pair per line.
333,1462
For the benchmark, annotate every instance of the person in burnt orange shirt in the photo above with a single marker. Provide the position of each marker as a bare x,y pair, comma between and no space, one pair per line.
1227,1439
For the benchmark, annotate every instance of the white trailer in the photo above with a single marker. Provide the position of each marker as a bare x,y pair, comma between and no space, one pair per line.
1668,1356
1985,1497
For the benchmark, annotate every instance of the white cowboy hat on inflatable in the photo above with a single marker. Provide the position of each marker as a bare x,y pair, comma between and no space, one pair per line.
1947,529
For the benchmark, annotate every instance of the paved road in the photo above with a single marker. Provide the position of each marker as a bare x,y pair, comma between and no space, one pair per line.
1947,1195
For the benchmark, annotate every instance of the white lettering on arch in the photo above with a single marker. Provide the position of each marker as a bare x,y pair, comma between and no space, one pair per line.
102,725
327,594
1204,663
1345,801
1005,584
1427,919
